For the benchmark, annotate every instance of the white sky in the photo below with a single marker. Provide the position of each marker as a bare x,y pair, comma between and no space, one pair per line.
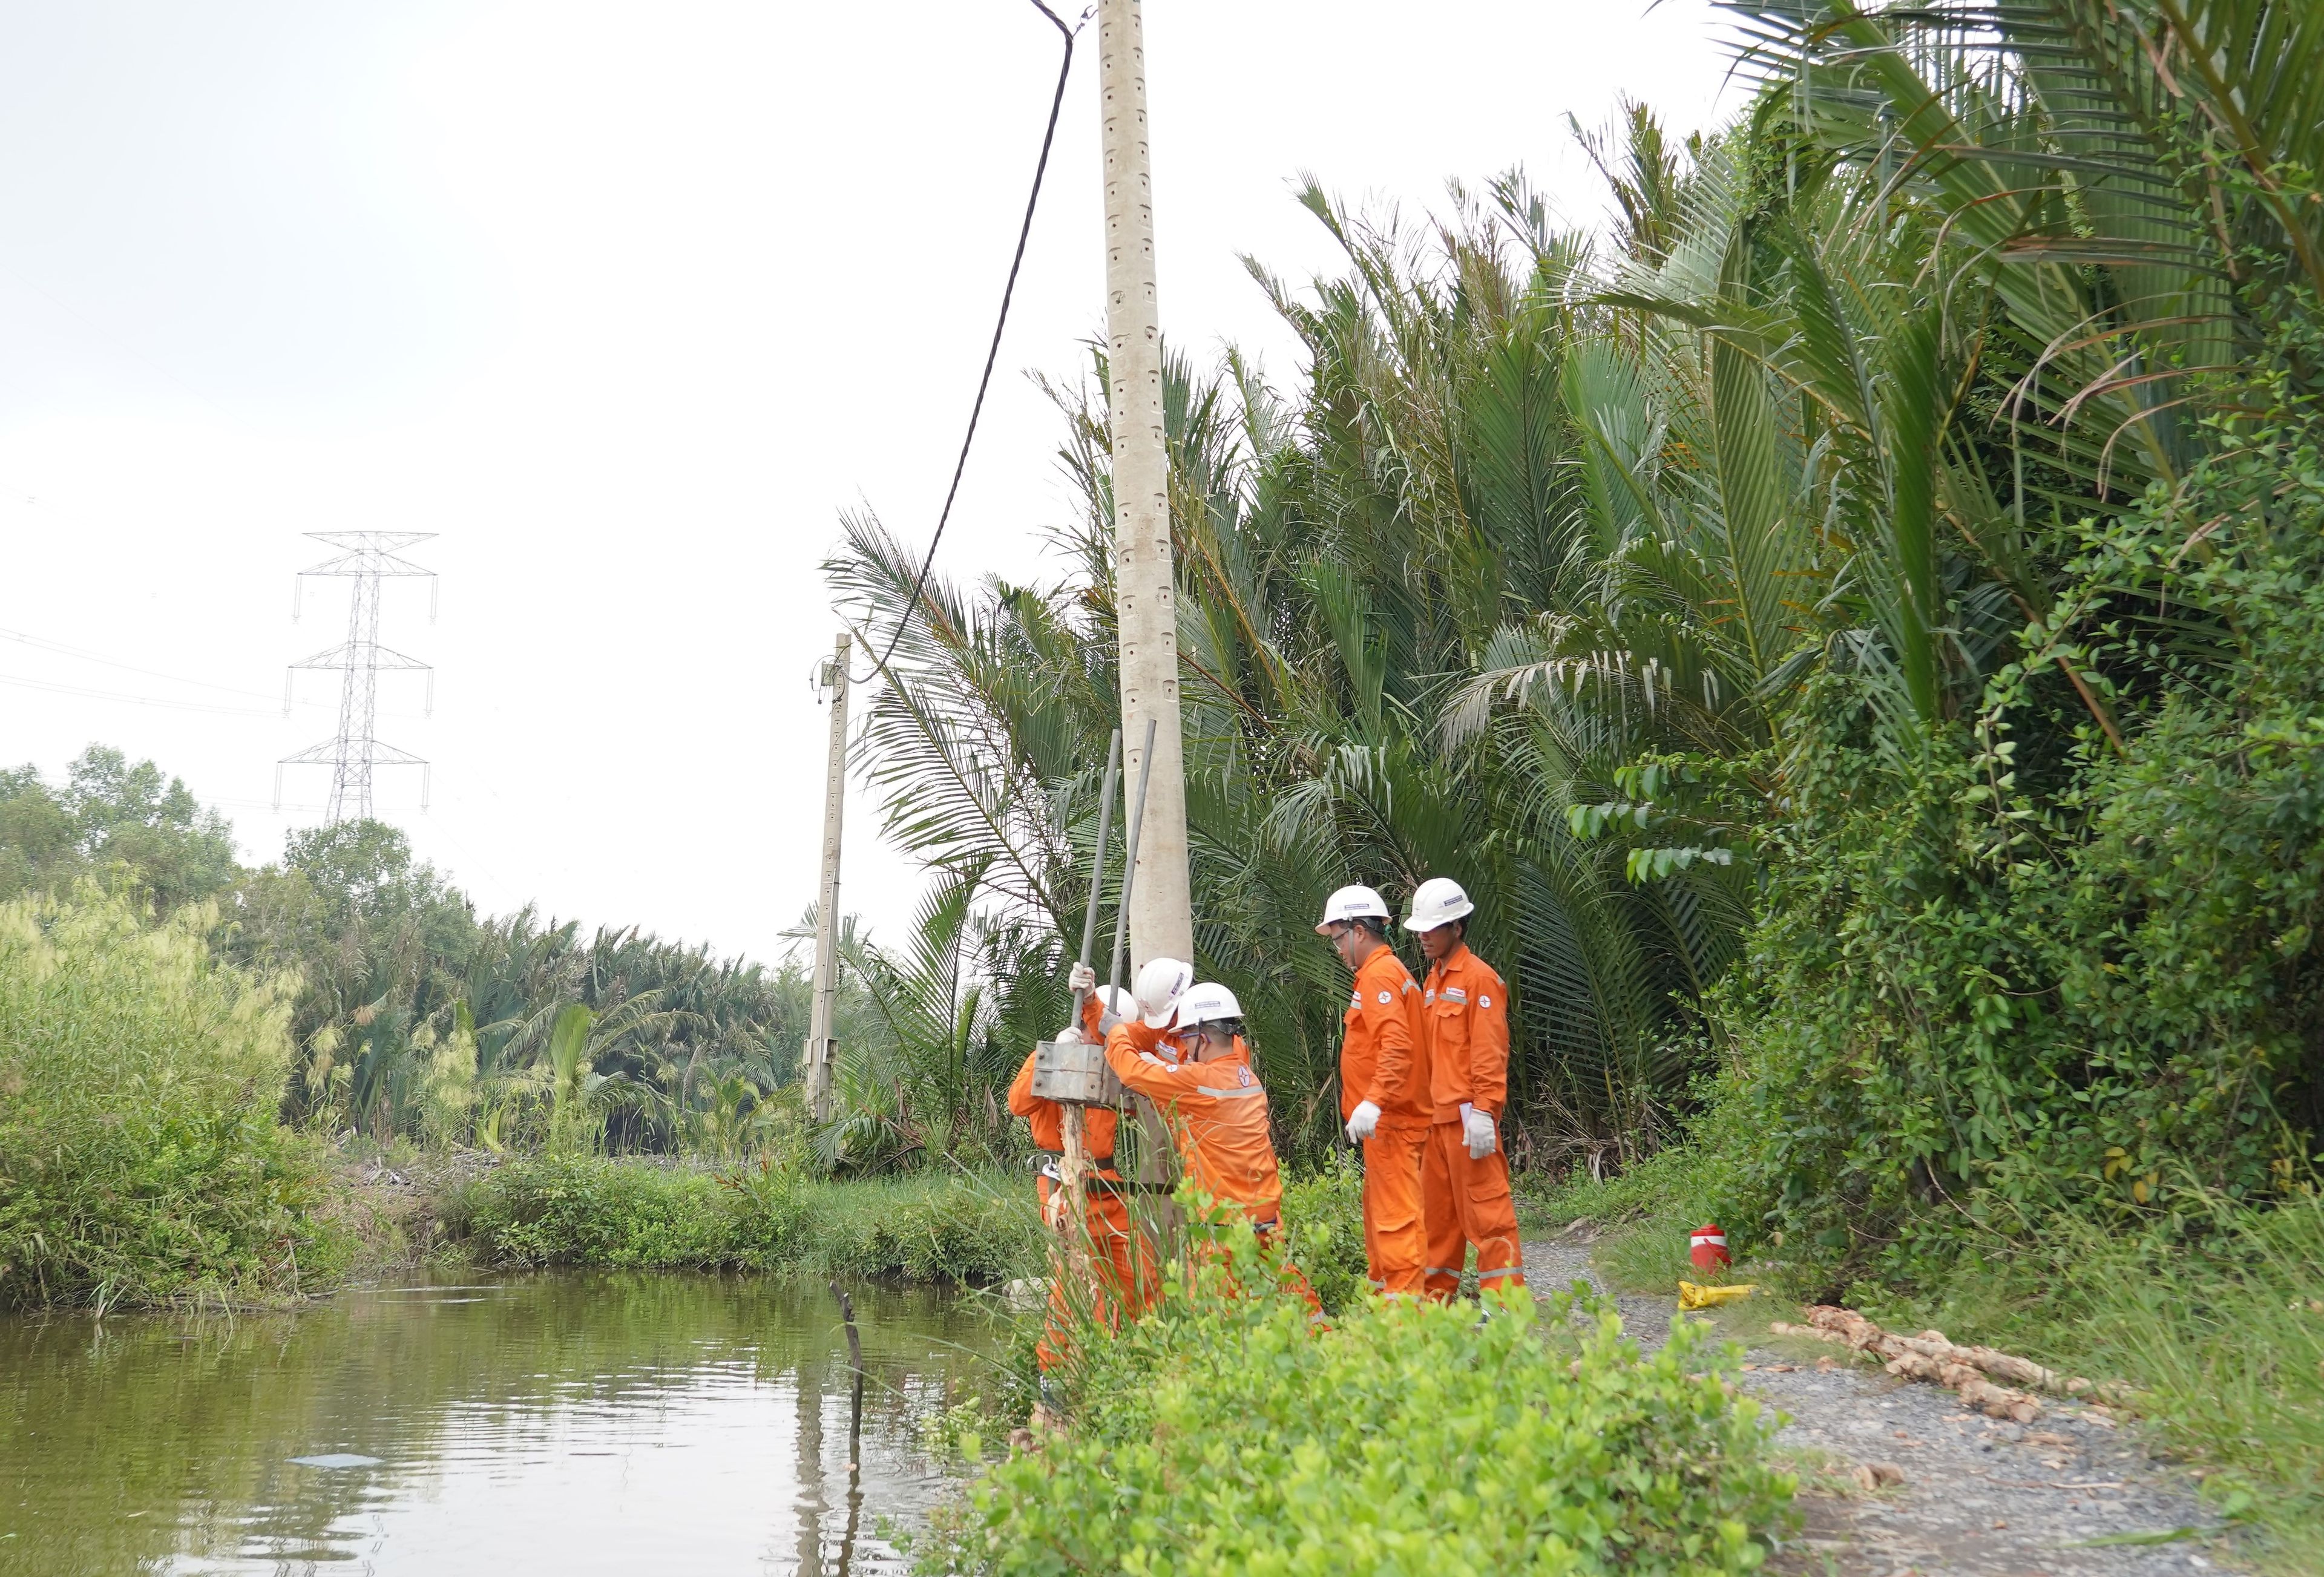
627,302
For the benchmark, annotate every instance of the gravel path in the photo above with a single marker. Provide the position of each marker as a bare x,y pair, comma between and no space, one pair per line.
1979,1496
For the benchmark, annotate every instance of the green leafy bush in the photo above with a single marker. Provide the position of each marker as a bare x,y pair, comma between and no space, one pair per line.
1324,1217
1226,1432
1991,983
582,1209
140,1156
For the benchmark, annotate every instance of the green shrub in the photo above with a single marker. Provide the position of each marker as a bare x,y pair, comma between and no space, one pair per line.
140,1156
598,1211
587,1209
1224,1433
1324,1219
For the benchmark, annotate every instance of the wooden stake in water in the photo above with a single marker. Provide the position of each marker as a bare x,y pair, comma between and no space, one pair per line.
854,1427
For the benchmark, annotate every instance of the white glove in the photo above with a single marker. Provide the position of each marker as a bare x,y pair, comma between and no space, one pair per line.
1071,1034
1362,1120
1082,978
1476,1128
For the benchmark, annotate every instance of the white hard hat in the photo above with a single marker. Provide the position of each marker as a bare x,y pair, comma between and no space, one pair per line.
1160,984
1437,901
1350,903
1113,1000
1207,1003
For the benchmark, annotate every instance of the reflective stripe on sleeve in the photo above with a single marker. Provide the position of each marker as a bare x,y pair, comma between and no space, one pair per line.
1230,1094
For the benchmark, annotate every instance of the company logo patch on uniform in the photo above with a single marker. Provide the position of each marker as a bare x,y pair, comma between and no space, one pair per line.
1456,994
1386,999
1242,1075
1484,1002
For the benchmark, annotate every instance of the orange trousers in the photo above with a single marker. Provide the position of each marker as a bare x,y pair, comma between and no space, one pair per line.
1124,1281
1469,1203
1396,1238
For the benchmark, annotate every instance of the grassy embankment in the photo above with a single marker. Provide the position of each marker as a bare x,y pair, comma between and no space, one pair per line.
602,1211
2220,1329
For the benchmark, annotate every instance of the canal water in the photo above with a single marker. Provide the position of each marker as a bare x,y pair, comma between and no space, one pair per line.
552,1424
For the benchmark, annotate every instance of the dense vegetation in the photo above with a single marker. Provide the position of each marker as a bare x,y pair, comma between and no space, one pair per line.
1853,628
1856,626
1223,1433
413,1018
182,1037
140,1080
1853,624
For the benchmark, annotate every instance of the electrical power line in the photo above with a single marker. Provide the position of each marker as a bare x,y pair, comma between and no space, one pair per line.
168,704
84,655
88,694
74,652
1008,292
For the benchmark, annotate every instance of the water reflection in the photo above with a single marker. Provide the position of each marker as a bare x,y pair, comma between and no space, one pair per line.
553,1423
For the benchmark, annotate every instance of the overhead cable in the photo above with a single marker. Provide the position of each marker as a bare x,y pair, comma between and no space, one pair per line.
60,648
135,700
992,352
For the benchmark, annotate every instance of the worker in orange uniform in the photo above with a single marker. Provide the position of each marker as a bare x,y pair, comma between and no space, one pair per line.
1125,1275
1384,1088
1465,1009
1216,1108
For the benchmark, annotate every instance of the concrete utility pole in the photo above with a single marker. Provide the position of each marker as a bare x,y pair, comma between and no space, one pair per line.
1161,915
820,1046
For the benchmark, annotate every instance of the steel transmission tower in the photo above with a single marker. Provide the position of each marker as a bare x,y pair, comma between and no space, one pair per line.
368,558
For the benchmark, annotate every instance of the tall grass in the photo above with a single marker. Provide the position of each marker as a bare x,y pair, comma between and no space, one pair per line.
2219,1330
140,1156
2229,1347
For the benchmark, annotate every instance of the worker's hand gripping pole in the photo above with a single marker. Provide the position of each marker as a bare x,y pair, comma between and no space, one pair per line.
1073,1167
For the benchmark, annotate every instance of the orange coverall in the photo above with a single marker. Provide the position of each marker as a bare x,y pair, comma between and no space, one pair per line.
1466,1011
1383,1060
1217,1113
1119,1254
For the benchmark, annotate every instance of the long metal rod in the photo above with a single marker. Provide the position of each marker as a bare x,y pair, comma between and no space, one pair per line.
1104,836
1073,1122
1130,857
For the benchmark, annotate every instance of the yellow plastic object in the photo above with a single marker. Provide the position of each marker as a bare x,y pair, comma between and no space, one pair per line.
1691,1296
